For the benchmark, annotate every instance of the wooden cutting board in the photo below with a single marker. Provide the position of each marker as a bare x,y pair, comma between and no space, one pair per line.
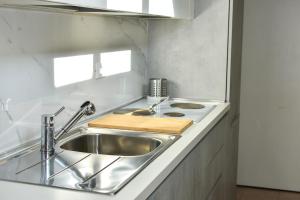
142,123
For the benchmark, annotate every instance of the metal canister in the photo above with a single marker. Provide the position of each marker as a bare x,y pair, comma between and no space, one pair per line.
158,87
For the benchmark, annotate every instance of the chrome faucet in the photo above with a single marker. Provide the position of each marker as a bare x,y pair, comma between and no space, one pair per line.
50,137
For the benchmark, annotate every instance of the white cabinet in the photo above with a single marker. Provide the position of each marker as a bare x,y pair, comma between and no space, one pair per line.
171,8
183,9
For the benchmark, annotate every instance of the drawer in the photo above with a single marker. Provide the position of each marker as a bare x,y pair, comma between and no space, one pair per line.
212,143
212,173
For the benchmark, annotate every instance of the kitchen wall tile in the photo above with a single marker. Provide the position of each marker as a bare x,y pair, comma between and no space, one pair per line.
30,40
192,54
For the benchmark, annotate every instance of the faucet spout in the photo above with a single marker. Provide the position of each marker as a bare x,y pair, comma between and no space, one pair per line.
86,109
50,137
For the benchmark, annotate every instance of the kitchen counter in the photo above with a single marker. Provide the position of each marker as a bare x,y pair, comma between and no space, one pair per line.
141,186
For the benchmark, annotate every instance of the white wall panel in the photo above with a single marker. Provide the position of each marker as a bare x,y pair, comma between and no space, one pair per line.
29,43
270,95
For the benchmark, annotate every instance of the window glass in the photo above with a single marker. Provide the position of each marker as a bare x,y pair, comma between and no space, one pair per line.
131,6
115,62
161,7
68,70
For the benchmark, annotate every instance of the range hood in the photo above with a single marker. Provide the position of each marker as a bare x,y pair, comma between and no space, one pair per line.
139,8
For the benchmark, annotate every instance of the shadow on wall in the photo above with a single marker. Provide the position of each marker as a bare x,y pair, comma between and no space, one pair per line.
172,86
202,5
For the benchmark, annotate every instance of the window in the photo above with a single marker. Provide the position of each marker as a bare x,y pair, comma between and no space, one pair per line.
131,6
115,62
161,7
68,70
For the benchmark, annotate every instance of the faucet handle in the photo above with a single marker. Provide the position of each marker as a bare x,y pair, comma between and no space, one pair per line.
59,111
48,119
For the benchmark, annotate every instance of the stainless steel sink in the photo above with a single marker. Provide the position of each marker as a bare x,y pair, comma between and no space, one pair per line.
108,144
88,159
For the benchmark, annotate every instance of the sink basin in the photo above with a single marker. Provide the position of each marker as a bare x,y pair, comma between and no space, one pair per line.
88,159
112,145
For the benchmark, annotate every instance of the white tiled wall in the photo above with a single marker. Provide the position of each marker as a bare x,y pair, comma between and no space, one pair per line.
29,41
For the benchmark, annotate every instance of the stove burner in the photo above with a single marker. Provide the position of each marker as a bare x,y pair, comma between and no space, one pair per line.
125,111
187,105
174,114
143,112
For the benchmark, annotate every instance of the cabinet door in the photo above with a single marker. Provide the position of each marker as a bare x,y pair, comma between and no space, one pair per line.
172,8
151,8
269,132
197,175
218,191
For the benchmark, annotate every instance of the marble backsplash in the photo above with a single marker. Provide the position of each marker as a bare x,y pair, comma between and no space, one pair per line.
192,54
30,40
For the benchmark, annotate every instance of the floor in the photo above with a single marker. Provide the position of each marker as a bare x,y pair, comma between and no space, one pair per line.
246,193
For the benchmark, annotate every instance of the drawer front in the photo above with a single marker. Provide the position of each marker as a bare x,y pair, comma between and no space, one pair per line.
212,143
211,174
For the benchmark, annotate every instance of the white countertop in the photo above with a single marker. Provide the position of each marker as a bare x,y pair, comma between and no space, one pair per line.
141,186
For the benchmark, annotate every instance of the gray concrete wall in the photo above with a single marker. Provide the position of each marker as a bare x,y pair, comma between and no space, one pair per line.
192,54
